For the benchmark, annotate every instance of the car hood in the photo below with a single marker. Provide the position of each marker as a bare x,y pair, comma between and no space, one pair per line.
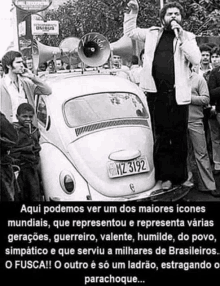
92,155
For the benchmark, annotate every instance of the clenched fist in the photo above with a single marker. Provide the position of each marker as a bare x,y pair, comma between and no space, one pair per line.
133,6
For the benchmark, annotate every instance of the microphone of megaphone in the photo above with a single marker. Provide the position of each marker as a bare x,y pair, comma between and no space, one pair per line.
90,49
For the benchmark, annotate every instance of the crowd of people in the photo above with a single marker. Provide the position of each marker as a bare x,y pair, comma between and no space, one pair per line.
51,66
180,79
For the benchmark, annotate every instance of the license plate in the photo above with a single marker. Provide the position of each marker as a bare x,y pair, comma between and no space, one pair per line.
127,168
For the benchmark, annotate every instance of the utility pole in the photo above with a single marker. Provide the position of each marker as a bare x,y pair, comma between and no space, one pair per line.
24,10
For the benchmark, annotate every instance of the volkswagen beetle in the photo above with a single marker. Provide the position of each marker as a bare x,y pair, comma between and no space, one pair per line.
96,140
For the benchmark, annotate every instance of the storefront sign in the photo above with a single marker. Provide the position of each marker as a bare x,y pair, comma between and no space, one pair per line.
32,5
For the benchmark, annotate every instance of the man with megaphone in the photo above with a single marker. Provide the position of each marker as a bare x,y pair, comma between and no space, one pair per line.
165,78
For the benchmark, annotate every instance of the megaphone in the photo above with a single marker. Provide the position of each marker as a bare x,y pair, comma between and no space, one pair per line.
126,47
42,53
67,52
123,47
69,48
94,49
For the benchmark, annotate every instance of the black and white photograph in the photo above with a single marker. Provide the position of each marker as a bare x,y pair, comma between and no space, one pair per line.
110,111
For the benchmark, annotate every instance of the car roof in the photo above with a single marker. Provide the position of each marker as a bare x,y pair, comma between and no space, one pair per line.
69,85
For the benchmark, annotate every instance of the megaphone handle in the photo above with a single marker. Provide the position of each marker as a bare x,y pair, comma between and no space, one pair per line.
111,59
70,62
83,67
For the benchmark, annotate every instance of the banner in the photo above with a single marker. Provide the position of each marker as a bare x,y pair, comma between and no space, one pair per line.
113,244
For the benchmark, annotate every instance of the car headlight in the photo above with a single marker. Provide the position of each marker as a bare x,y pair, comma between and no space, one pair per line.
67,182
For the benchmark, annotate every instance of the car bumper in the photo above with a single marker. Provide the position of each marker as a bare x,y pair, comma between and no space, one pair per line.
155,194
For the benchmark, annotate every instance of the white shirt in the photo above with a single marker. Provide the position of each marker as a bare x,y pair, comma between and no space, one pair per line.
135,73
17,94
201,72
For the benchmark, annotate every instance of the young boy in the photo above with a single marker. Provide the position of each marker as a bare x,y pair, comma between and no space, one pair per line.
26,153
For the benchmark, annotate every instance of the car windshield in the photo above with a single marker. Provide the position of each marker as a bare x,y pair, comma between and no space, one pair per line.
103,106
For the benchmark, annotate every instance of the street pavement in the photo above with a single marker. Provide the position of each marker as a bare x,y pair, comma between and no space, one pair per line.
195,195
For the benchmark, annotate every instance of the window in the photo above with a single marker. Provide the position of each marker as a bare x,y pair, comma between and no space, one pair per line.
103,106
42,111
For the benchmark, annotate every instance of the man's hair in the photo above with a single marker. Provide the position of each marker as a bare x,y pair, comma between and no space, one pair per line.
204,48
8,59
51,62
171,5
24,107
134,60
212,45
215,50
43,65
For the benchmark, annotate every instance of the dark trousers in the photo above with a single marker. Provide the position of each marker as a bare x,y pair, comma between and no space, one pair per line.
169,124
9,189
29,183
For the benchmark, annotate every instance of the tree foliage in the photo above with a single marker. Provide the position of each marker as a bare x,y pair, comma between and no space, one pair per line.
202,17
78,17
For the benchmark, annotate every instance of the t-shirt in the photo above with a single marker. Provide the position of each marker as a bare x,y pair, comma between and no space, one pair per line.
163,63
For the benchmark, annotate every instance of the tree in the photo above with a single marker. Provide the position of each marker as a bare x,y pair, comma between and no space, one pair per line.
78,17
202,17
